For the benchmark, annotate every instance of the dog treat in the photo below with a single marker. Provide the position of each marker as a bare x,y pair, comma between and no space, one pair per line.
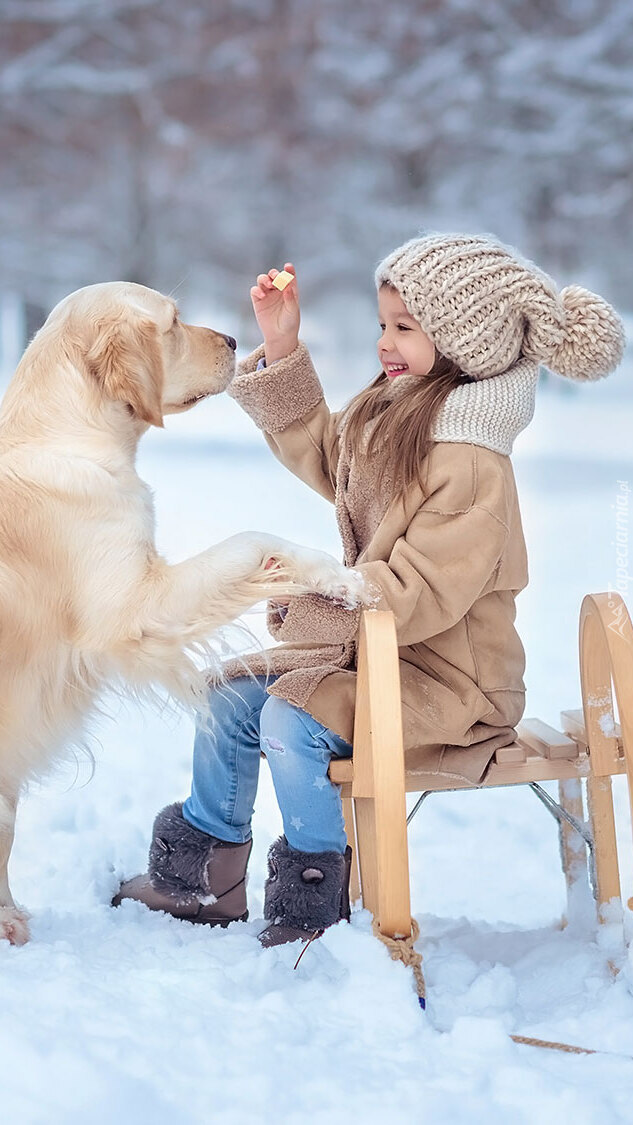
282,279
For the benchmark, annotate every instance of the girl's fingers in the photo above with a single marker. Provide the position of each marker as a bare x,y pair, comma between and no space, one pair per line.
288,266
265,286
290,292
266,279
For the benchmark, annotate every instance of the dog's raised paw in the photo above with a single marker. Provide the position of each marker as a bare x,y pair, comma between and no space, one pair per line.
325,576
14,925
349,591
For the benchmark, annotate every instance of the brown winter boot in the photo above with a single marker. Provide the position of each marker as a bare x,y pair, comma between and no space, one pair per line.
190,874
305,893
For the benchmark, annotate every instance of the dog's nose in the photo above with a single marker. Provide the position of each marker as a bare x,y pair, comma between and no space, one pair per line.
231,341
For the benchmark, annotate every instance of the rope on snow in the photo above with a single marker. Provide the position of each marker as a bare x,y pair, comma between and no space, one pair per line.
527,1041
403,949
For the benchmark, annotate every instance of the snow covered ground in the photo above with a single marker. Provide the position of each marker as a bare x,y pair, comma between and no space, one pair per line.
130,1017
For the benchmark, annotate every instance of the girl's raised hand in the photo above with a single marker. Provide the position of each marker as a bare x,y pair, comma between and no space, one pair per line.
278,314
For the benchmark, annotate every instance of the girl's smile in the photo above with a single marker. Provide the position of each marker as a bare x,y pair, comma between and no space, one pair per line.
403,347
394,369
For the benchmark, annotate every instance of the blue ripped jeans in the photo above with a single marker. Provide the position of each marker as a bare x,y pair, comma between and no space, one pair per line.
247,721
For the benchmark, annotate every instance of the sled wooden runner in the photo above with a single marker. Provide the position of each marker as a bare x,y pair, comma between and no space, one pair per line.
590,746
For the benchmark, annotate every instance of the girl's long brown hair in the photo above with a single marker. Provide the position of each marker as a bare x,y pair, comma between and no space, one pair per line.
401,437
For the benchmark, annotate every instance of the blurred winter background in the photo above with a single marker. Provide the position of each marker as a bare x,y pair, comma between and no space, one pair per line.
191,144
188,146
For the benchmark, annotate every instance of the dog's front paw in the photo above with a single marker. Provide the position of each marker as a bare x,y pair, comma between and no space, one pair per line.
322,574
14,925
347,589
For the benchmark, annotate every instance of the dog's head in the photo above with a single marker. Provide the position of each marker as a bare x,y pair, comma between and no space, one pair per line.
133,344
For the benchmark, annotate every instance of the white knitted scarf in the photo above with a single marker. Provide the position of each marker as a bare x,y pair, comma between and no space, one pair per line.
489,412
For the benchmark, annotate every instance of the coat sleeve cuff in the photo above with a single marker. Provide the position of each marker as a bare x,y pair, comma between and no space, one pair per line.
275,617
316,619
278,395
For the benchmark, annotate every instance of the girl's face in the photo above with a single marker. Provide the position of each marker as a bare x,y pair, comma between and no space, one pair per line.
403,347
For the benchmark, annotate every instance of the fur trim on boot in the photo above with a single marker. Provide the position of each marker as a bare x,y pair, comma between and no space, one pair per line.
305,892
179,856
191,874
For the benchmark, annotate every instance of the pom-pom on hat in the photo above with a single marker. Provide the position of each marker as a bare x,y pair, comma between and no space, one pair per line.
484,306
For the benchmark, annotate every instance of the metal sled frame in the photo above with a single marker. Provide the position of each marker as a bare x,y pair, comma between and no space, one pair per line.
591,745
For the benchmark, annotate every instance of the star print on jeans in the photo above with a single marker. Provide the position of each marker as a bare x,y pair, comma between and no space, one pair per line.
297,823
275,744
319,782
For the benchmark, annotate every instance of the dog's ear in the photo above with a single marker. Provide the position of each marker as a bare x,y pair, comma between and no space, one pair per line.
127,362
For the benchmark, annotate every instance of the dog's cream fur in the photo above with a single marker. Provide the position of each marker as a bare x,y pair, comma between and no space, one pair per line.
85,599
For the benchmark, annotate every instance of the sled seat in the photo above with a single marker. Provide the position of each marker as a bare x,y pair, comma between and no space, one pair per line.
591,746
540,753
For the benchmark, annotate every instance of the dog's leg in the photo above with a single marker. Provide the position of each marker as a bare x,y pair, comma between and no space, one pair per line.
13,921
184,604
213,588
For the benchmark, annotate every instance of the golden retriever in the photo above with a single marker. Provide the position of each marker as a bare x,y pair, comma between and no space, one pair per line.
85,599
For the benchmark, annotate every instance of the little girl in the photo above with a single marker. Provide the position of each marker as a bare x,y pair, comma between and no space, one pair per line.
418,469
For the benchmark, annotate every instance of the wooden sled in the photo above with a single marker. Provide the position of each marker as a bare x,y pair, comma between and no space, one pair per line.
591,745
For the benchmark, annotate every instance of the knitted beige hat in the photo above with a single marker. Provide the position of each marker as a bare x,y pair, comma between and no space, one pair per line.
484,306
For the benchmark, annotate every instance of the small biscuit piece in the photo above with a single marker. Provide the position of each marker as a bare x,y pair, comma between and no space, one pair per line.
282,279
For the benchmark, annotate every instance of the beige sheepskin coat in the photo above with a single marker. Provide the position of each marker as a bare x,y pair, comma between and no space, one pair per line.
448,562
